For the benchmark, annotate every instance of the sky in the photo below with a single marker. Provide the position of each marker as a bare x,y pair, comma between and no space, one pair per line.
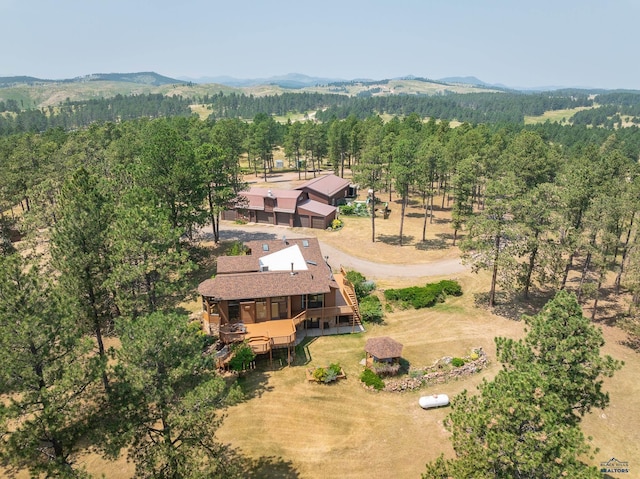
520,44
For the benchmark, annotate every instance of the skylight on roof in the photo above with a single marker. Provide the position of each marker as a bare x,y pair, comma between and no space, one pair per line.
305,243
265,247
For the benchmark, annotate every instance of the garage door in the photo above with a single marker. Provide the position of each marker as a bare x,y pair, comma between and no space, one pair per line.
304,221
263,217
317,222
282,219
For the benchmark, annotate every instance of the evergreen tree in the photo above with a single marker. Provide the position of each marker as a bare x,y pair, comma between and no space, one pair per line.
368,173
525,422
80,253
47,375
169,399
148,264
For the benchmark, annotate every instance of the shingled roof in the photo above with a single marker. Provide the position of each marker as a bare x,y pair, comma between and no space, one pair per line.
315,207
246,281
285,200
383,348
328,185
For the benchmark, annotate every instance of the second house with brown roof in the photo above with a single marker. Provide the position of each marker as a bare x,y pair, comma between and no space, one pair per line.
311,205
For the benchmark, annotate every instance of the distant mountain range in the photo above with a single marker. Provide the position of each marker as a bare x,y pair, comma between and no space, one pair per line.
288,81
299,80
143,78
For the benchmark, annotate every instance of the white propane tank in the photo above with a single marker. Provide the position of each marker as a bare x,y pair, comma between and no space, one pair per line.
435,400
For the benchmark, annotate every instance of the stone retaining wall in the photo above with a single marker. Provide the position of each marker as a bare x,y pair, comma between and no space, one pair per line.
439,372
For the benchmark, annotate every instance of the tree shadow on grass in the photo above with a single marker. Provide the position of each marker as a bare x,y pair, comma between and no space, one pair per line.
612,308
253,383
270,468
244,236
303,355
429,244
395,239
512,306
448,236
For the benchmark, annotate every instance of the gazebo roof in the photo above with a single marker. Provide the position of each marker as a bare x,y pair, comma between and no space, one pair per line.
383,347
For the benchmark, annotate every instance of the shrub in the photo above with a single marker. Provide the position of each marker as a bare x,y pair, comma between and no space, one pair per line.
371,379
360,284
242,356
457,362
237,249
327,375
371,309
336,224
451,287
348,210
426,296
320,374
354,209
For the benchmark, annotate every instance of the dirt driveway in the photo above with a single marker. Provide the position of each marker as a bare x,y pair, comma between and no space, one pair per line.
370,269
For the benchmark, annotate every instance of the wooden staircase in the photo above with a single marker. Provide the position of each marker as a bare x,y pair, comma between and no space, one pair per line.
350,296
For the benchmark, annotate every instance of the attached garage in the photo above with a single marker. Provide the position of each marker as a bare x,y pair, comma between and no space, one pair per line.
318,222
317,215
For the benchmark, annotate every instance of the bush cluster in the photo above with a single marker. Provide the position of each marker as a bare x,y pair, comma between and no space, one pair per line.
371,309
360,284
424,296
457,362
242,357
336,224
372,379
327,375
354,209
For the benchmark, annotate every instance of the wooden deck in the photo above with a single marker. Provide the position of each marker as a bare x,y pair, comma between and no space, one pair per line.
267,335
275,328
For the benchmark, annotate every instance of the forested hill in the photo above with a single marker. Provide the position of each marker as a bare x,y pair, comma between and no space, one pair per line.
145,78
36,107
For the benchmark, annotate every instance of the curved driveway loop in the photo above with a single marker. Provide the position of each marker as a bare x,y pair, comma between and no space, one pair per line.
370,269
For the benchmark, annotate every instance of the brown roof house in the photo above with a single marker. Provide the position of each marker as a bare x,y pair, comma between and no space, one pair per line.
327,189
382,350
311,205
281,291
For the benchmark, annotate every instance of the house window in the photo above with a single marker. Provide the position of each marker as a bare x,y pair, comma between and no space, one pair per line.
234,311
279,308
261,309
312,323
311,301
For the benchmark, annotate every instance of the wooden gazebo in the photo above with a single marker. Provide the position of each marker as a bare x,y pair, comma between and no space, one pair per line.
382,350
